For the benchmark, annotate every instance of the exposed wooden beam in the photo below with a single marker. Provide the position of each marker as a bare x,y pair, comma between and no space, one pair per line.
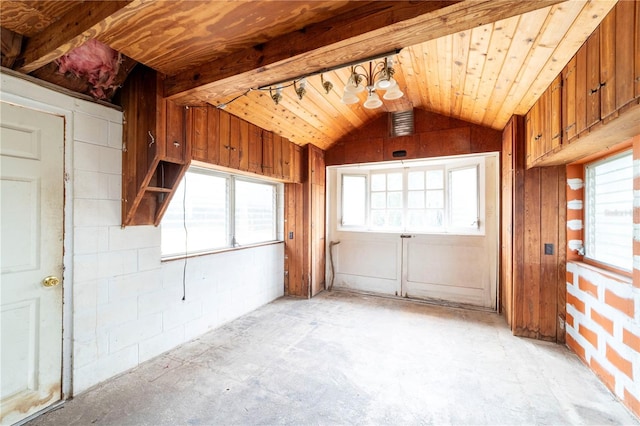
357,35
11,44
72,30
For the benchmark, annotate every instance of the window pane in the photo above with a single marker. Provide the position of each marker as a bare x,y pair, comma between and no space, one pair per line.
609,213
202,210
206,207
378,182
255,212
394,200
435,218
354,203
378,218
416,180
464,197
378,200
417,219
416,199
394,218
435,199
394,182
435,179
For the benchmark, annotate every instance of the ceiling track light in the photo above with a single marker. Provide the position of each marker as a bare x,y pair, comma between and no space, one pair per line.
379,77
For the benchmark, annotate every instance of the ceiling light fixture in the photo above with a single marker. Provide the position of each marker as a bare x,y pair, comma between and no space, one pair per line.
378,77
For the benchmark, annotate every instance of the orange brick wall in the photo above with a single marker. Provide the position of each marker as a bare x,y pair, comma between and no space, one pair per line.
603,308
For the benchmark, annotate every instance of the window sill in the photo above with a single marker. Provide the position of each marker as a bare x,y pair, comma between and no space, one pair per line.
621,276
219,251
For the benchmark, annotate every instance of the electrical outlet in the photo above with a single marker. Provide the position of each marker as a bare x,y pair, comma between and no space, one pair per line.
291,235
548,249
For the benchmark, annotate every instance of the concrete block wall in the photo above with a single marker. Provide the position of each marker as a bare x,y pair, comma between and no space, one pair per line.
603,308
123,305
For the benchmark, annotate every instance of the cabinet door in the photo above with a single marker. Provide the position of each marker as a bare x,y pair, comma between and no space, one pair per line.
175,143
267,153
569,99
593,78
626,50
581,90
296,163
286,159
213,135
234,142
608,65
243,146
255,149
197,133
636,55
223,143
277,155
555,115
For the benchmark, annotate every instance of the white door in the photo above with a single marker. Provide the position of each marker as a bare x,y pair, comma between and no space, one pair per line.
31,216
454,269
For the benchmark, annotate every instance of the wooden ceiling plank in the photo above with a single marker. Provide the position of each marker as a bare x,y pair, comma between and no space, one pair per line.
430,55
461,45
508,67
415,83
72,30
30,17
259,109
331,43
445,55
480,39
520,51
502,33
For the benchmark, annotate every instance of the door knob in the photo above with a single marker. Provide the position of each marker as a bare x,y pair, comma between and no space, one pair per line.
51,281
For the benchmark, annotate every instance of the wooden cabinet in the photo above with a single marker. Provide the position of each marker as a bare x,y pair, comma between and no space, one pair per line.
156,151
597,87
543,123
221,139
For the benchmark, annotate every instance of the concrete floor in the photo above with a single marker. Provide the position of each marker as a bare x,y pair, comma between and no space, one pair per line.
352,359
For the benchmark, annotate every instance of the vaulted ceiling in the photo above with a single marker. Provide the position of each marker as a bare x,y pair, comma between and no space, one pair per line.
480,61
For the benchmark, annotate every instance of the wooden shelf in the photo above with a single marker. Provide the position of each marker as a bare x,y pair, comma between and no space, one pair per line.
157,153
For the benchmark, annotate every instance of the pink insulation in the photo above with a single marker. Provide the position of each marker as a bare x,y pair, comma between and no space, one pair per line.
94,61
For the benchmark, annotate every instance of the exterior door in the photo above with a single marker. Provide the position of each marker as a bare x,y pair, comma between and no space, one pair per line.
31,209
452,268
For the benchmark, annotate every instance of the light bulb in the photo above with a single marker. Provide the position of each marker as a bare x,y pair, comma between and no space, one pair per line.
373,101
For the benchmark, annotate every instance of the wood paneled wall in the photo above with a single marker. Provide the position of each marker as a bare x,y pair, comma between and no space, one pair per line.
533,281
304,227
434,135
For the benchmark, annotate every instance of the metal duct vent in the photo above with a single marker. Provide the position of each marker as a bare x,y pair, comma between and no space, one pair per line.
402,123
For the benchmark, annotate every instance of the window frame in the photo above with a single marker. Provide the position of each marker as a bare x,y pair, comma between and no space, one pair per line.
444,164
586,231
230,204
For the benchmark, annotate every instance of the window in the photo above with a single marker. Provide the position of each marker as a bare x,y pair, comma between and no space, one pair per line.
354,200
609,211
211,211
441,197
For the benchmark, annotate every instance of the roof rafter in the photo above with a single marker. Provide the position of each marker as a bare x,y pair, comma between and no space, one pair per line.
72,30
357,35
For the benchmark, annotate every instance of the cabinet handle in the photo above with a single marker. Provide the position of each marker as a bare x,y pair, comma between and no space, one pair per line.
603,84
537,137
153,140
593,91
176,144
232,148
226,146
